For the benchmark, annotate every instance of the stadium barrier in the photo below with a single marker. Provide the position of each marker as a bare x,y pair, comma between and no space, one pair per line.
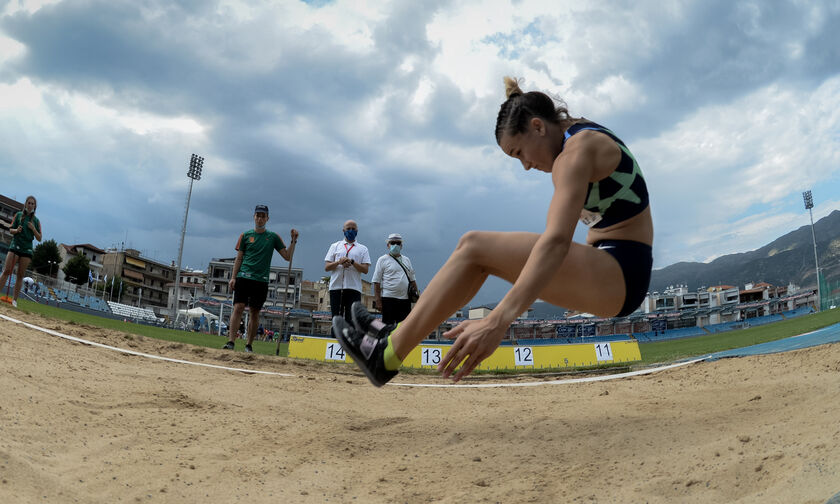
513,357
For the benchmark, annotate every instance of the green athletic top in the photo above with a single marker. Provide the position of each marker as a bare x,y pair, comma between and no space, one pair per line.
257,249
22,242
619,196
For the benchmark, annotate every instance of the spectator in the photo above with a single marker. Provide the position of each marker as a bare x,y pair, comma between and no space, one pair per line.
346,260
249,280
25,228
392,278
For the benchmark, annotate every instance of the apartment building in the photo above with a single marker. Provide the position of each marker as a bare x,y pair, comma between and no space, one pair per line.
93,254
193,285
146,280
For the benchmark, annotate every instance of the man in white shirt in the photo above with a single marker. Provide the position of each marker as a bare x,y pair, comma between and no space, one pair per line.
346,260
391,280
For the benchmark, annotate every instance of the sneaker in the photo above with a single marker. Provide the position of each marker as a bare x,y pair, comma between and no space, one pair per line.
367,323
366,350
14,303
248,349
228,346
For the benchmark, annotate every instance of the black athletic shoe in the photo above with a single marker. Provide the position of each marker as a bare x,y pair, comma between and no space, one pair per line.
228,346
248,349
367,323
366,350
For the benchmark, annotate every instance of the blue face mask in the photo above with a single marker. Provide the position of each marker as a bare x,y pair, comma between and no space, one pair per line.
394,249
350,234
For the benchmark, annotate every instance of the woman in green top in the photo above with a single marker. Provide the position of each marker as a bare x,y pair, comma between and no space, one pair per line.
25,228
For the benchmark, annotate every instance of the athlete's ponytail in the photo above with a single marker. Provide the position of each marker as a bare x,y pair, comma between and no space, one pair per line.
520,107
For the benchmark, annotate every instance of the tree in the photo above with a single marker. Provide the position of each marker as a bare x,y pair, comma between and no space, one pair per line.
77,269
42,255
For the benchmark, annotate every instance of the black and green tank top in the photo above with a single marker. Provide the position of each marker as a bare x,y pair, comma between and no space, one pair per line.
619,196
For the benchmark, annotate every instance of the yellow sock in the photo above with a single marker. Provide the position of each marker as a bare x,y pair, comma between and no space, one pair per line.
392,362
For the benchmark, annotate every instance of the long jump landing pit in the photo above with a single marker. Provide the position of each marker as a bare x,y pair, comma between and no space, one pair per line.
87,424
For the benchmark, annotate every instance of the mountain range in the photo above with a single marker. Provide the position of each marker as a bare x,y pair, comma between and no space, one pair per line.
787,259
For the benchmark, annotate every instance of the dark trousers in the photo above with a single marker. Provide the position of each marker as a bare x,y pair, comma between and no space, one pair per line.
341,300
395,310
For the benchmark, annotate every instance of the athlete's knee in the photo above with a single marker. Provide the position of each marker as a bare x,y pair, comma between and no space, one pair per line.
470,242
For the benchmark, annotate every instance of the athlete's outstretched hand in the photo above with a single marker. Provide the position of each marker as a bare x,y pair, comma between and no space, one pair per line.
475,340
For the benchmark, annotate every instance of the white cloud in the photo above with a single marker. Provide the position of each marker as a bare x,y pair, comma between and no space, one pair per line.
20,99
349,22
9,49
28,6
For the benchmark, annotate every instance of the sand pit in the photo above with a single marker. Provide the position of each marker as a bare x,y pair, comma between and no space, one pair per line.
86,424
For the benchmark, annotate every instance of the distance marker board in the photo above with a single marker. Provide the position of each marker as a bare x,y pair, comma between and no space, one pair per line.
512,357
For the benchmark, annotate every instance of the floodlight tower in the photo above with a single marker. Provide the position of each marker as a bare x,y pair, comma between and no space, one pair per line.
809,204
194,173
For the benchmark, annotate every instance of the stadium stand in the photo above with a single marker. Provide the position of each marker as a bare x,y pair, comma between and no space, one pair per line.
668,334
133,312
572,341
804,310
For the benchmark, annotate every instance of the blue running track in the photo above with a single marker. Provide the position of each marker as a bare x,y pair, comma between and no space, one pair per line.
830,334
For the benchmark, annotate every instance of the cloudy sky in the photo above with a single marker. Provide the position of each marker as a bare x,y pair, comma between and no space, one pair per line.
384,112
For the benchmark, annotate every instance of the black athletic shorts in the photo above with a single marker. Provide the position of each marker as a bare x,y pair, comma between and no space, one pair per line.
21,254
250,292
636,261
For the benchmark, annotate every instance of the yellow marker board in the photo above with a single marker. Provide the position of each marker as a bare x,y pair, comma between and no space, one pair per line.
505,357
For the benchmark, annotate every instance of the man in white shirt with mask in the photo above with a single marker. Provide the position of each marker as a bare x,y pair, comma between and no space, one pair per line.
391,281
346,260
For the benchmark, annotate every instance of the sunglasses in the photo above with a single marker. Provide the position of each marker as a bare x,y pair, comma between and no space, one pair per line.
394,243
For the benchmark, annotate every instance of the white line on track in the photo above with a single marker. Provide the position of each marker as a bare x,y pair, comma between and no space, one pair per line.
141,354
427,385
553,382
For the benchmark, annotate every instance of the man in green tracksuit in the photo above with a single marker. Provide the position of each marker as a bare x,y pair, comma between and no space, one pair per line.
249,280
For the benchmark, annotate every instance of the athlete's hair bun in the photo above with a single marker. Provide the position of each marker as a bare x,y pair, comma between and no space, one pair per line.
512,87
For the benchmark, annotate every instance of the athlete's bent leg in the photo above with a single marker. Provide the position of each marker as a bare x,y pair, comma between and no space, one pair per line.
23,263
588,280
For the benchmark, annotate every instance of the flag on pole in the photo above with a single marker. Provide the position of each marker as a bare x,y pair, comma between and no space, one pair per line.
90,277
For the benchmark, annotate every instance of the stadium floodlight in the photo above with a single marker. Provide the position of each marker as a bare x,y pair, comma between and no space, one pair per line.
809,205
194,173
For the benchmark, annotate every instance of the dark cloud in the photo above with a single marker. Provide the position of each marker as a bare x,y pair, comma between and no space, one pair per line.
712,53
